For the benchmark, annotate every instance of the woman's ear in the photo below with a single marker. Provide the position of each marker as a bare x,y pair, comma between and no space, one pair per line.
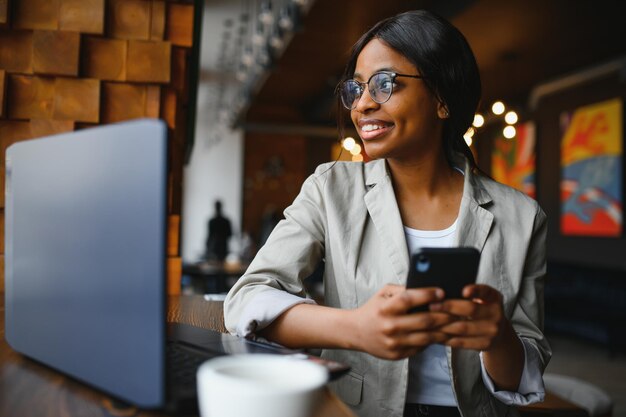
442,110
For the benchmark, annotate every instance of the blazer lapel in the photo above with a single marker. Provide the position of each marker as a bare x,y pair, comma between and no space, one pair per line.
383,209
474,221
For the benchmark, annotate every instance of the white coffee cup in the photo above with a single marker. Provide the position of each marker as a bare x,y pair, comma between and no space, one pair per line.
260,385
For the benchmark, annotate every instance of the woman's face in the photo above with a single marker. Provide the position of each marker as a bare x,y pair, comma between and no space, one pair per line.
406,127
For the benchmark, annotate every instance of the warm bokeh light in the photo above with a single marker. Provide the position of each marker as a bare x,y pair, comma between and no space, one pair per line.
509,132
277,42
468,136
356,149
510,117
247,58
258,38
479,120
348,143
357,158
498,108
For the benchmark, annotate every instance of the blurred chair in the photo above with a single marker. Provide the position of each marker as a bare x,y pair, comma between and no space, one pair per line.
584,394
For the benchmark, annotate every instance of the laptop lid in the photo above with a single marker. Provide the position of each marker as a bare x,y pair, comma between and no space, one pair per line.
85,256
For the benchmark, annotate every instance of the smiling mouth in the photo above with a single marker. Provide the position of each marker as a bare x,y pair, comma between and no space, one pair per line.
374,130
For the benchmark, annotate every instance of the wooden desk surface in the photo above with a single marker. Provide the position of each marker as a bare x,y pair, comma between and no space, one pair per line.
30,389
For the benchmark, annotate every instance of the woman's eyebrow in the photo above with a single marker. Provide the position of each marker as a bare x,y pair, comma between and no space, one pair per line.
384,69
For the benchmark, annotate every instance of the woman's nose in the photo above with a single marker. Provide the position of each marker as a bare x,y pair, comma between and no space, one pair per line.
365,102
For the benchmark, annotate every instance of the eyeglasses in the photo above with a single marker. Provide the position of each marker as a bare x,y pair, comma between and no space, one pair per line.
380,87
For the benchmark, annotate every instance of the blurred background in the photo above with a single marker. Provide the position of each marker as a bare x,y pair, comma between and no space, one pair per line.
266,112
266,116
246,88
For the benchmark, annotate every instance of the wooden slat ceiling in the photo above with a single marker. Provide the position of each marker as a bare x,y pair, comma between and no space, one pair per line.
518,44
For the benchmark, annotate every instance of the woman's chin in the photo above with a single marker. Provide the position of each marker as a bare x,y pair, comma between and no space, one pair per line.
374,152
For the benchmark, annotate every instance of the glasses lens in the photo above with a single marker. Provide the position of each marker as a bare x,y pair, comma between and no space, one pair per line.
381,87
350,93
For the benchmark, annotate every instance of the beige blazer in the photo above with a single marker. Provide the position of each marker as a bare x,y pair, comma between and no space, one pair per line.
347,214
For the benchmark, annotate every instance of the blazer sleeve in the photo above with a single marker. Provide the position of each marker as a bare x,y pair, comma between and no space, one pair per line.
528,314
291,253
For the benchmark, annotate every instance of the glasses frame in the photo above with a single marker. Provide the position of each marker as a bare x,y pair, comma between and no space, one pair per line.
362,85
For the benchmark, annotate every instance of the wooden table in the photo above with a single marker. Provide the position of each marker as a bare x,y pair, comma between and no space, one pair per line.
212,276
29,389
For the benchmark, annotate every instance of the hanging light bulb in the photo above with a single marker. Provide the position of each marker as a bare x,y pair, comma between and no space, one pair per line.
266,16
498,108
247,58
276,40
511,118
479,120
509,132
263,58
258,38
285,21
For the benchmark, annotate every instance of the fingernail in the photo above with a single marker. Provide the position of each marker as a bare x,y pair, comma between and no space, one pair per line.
439,294
436,306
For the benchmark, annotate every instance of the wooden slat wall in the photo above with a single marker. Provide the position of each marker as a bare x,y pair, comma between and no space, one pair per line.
16,51
4,12
35,14
85,16
104,59
55,52
73,64
3,77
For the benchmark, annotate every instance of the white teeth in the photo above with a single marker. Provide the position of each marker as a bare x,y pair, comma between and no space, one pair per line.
369,128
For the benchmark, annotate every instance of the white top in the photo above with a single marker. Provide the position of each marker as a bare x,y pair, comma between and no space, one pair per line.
429,375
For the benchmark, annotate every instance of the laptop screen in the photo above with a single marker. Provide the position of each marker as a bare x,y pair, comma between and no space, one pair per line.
85,255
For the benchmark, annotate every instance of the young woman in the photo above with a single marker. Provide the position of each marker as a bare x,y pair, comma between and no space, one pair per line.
412,88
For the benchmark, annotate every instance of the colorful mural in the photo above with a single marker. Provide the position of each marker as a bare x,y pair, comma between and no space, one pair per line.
591,170
513,160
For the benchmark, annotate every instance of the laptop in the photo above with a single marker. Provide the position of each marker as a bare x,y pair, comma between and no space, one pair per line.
85,259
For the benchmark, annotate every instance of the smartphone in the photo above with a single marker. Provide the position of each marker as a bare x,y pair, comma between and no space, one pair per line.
448,268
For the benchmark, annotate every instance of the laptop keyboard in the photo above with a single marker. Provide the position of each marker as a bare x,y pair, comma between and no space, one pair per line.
182,365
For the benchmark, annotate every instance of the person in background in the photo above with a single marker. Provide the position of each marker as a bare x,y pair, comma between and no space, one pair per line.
411,87
219,232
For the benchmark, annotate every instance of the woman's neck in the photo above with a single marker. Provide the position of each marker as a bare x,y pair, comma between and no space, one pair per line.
426,177
428,192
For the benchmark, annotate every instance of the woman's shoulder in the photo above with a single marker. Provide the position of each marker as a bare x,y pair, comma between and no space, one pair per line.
508,197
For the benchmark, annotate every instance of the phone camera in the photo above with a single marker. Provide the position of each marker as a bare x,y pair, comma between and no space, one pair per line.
423,263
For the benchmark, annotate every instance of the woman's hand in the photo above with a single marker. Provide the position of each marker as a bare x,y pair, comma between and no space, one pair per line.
482,325
480,321
384,328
